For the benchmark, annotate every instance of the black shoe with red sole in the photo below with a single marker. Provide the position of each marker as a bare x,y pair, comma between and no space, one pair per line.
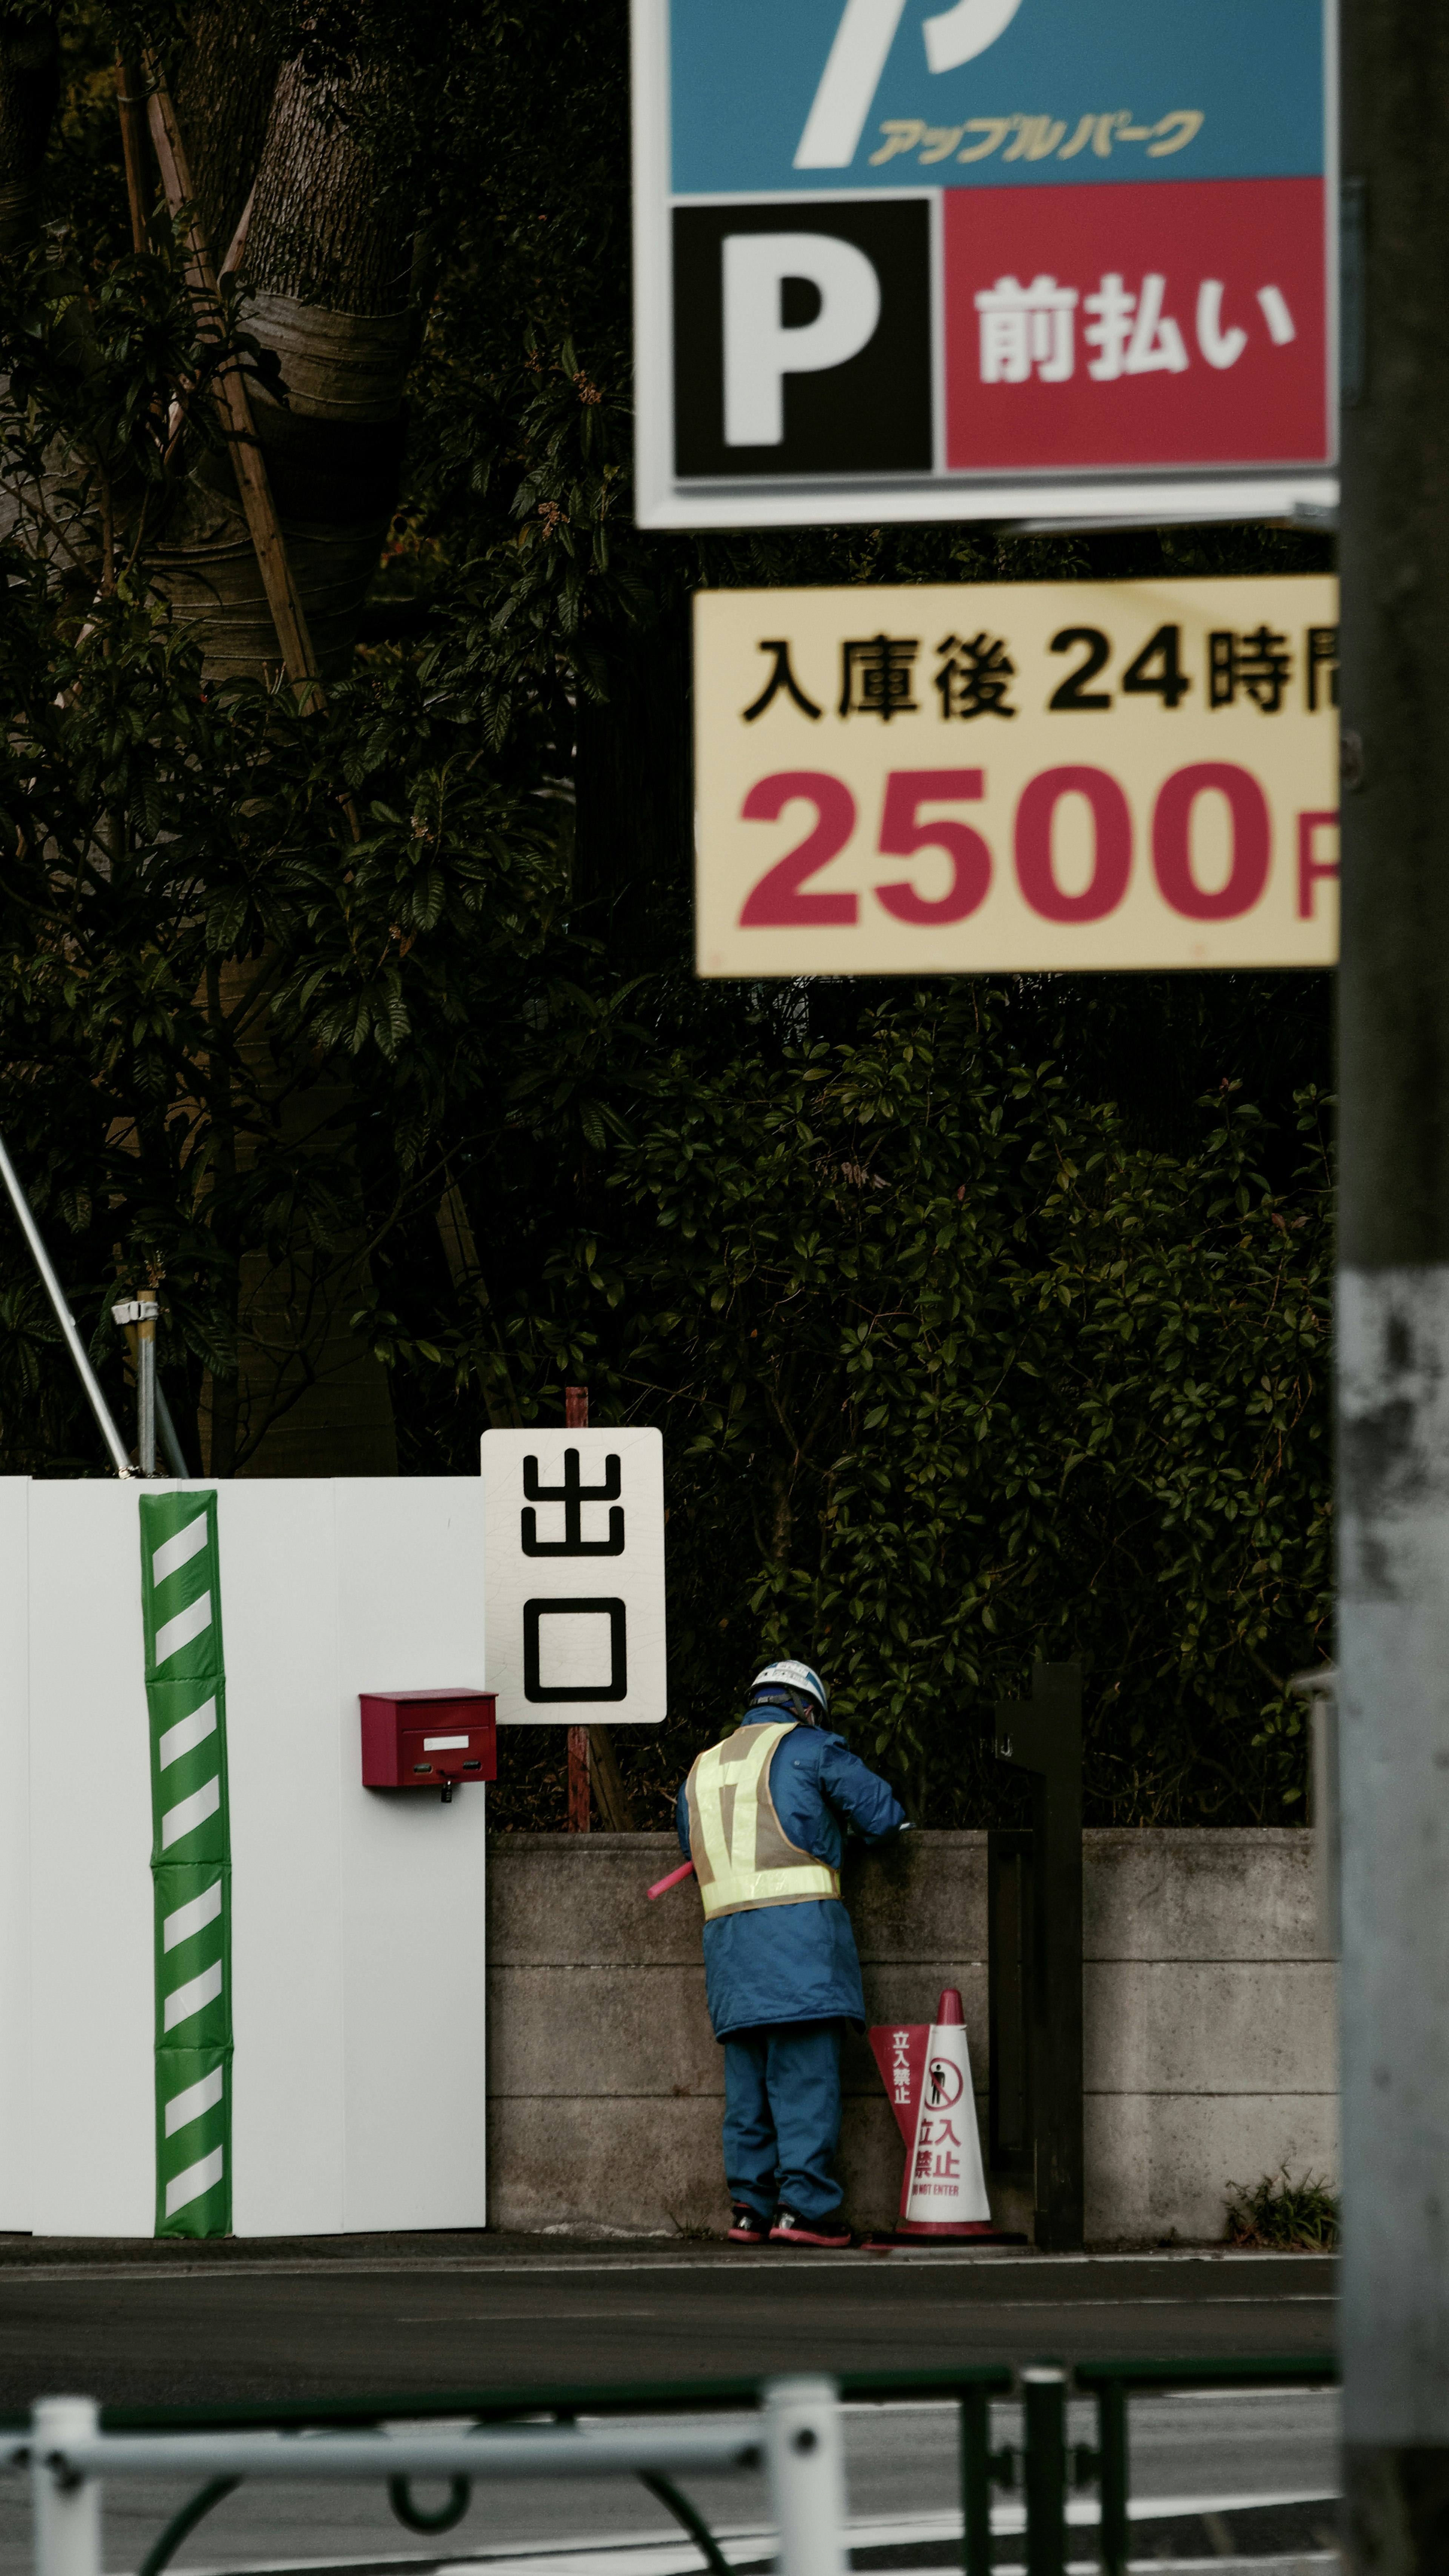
791,2229
746,2226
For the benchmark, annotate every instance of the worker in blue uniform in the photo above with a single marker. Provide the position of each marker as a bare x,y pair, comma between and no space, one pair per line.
763,1817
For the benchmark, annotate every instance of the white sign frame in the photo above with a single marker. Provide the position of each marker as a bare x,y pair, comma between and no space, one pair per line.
1215,748
1049,498
602,1554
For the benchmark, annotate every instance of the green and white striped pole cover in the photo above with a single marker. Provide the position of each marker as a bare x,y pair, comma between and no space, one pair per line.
190,1861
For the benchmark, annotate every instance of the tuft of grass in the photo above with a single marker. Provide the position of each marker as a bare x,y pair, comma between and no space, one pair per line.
1288,2217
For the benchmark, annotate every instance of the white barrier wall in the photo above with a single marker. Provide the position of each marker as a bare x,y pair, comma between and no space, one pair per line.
357,1914
14,1851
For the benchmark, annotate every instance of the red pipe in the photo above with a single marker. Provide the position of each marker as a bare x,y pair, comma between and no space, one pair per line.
662,1885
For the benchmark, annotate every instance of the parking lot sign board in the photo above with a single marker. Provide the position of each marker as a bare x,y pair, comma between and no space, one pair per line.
573,1576
1017,777
1005,259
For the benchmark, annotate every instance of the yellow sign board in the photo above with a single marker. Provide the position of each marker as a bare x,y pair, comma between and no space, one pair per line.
1016,777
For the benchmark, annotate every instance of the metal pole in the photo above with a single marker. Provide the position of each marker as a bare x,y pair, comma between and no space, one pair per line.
1044,2404
64,1317
147,1311
1320,1689
176,1455
555,2450
576,1418
125,1315
67,2508
1112,2475
1393,1297
1043,1736
975,2482
801,2418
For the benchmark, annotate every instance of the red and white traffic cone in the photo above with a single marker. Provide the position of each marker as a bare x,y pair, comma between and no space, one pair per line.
927,2072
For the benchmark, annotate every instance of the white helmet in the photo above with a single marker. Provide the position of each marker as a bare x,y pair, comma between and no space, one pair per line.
786,1680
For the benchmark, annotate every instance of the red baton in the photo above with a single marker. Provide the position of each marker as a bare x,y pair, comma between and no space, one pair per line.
662,1885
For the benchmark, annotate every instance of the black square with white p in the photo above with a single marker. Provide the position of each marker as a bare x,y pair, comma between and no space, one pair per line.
802,338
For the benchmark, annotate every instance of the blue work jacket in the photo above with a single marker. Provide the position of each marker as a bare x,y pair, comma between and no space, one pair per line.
783,1963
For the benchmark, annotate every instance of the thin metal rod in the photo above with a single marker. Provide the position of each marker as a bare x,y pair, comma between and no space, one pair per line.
182,2524
163,1420
558,2449
665,2492
169,1441
63,1316
125,1315
147,1311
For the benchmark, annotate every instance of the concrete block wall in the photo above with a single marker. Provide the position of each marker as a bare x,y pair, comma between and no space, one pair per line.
1209,2027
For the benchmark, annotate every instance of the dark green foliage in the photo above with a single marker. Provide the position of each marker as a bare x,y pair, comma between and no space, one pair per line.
982,1322
952,1375
1281,2216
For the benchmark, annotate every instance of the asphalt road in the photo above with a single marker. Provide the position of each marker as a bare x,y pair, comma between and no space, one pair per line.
169,2328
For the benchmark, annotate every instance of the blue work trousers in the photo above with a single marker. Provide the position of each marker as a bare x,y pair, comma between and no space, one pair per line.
782,2116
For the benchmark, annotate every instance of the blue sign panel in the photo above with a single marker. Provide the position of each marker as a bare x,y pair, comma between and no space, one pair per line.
992,93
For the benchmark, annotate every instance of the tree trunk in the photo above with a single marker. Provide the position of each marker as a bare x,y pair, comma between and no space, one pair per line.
223,89
329,269
29,88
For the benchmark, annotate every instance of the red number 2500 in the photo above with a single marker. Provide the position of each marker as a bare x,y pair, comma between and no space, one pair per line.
781,898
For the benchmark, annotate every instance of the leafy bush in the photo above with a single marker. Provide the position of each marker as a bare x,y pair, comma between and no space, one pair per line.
952,1376
1283,2215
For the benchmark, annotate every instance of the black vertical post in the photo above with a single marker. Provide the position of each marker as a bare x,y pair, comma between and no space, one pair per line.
975,2482
1010,1917
1112,2400
1392,1305
1044,2405
1043,1736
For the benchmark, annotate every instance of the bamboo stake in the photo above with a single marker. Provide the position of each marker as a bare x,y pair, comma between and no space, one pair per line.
133,146
283,597
236,251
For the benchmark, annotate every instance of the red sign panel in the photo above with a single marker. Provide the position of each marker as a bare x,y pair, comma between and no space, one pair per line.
1116,326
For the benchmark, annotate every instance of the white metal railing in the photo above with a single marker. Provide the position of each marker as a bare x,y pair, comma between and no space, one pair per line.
795,2437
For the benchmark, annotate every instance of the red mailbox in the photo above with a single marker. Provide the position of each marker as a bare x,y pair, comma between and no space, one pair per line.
428,1739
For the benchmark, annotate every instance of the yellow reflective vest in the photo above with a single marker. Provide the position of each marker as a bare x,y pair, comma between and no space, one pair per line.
742,1856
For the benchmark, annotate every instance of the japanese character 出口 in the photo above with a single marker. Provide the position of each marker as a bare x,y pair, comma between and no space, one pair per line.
596,1612
573,1495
